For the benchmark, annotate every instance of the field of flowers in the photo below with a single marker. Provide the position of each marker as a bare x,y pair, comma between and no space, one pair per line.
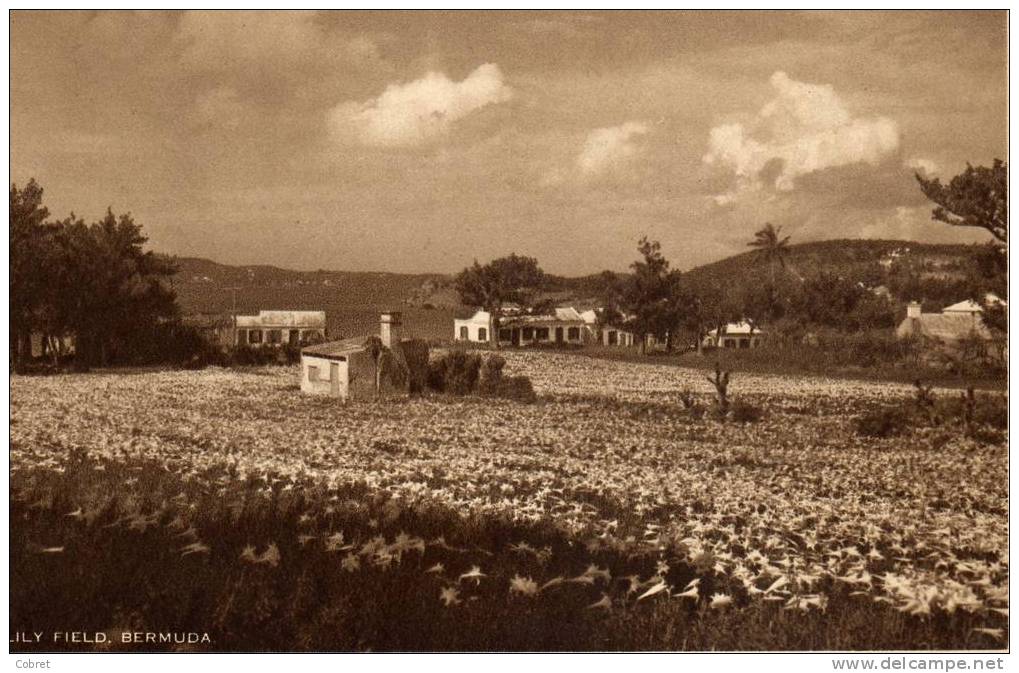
600,517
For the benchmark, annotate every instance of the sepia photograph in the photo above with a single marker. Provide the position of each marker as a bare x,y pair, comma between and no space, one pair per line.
477,331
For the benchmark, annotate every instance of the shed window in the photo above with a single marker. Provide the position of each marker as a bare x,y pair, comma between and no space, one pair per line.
482,334
541,333
254,336
464,333
312,373
573,334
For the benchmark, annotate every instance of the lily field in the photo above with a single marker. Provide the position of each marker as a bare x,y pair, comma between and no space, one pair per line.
604,516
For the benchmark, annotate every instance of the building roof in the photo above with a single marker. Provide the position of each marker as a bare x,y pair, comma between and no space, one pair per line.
590,316
944,326
269,319
335,349
737,328
967,306
567,313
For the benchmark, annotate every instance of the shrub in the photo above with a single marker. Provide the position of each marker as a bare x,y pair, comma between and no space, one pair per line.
517,388
744,412
491,374
455,373
887,421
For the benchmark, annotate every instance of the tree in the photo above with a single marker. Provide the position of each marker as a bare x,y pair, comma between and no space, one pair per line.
771,247
376,349
977,197
651,295
29,244
512,279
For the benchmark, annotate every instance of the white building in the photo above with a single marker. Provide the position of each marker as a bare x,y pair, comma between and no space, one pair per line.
346,370
734,335
280,327
606,335
563,326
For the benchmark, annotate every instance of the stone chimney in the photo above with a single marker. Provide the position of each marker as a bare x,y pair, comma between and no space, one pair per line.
389,329
913,309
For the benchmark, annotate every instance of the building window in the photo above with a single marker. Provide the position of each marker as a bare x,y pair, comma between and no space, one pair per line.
528,334
312,373
505,335
254,336
573,334
242,336
482,334
464,333
744,343
613,337
275,336
730,343
541,333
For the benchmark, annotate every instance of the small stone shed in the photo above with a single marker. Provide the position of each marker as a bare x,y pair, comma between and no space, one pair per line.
349,371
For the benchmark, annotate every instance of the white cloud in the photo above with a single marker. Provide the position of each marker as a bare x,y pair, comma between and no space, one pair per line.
606,148
927,167
415,112
805,128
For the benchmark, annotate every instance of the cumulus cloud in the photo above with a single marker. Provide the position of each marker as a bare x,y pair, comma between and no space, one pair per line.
415,112
805,128
606,148
923,166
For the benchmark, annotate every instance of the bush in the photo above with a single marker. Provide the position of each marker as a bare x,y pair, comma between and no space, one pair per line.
883,422
744,412
455,373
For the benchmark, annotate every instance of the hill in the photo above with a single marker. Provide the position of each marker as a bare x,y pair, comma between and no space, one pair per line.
352,300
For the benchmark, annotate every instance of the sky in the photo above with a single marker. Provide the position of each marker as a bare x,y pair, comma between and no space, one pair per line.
421,141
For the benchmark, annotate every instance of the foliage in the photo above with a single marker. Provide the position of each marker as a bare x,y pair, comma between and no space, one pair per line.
977,197
455,372
94,282
512,279
883,421
601,518
771,247
493,383
742,411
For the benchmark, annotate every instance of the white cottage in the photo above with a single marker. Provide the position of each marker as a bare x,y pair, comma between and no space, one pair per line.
734,335
280,327
606,335
563,326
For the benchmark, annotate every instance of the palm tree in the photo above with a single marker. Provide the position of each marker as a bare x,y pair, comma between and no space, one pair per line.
770,246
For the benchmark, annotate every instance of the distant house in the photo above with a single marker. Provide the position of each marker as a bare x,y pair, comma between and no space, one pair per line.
606,335
280,327
953,324
347,370
563,325
734,335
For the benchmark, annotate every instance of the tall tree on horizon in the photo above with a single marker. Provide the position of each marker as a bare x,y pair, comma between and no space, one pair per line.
491,286
770,246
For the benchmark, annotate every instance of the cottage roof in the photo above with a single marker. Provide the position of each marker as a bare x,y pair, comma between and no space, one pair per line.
589,316
944,326
283,319
567,313
738,328
967,306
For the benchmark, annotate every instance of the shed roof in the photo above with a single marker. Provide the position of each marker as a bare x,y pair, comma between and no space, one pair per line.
339,348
